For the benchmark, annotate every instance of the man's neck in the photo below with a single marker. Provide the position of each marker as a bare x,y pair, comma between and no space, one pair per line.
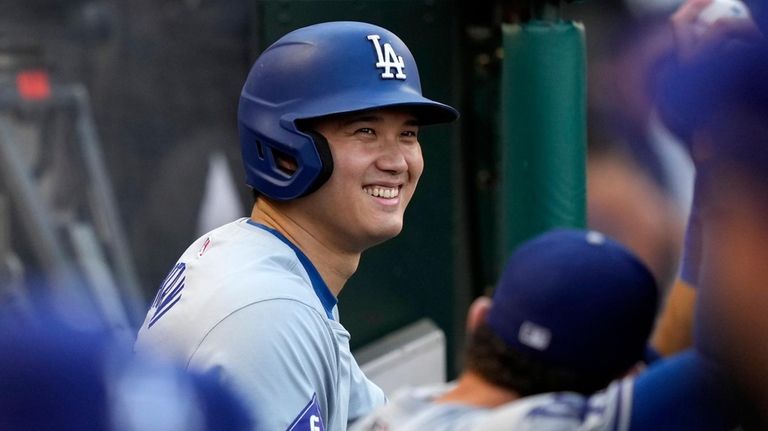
473,390
335,266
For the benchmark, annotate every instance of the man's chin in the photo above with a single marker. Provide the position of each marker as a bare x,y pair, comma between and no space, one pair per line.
386,233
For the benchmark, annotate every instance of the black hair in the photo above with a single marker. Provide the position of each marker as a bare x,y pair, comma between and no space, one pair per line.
492,359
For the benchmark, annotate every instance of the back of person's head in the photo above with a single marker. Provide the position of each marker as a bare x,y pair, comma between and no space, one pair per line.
62,369
572,311
316,71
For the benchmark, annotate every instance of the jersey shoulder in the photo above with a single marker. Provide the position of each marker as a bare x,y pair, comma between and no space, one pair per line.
565,411
227,271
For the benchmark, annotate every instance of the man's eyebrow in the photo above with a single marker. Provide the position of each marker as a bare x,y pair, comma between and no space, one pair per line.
361,118
373,118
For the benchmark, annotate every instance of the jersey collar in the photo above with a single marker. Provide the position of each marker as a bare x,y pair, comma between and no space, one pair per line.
321,289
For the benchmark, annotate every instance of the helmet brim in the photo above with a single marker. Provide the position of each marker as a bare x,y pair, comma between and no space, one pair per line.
427,111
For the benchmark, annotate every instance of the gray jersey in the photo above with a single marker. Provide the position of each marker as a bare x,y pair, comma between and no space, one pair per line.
414,409
684,392
607,410
244,303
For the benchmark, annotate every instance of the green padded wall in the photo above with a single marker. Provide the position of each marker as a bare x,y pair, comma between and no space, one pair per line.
543,108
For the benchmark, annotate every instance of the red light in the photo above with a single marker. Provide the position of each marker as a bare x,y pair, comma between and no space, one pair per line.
33,84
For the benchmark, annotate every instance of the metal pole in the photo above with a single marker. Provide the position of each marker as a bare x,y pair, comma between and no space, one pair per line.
31,211
104,194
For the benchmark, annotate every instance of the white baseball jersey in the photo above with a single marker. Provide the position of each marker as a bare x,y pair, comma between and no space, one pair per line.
244,303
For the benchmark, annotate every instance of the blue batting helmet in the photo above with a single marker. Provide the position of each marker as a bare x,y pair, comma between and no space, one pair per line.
319,70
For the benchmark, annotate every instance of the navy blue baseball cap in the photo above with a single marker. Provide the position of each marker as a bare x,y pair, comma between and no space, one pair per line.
575,299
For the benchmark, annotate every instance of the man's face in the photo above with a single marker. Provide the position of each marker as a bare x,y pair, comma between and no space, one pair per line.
377,163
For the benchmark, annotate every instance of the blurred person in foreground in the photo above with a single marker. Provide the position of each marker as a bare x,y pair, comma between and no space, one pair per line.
694,43
62,369
720,101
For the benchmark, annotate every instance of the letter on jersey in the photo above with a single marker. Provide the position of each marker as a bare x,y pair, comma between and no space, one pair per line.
309,419
169,293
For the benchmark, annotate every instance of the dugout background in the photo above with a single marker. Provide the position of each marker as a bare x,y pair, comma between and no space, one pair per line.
164,77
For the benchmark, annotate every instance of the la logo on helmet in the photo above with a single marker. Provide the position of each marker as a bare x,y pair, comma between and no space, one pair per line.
387,59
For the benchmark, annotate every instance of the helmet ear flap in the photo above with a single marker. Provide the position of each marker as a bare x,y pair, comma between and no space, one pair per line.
326,160
283,172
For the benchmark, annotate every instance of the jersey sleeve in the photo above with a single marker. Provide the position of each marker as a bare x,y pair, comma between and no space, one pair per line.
684,392
280,357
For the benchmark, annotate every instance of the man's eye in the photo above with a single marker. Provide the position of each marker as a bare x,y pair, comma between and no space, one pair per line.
411,133
366,130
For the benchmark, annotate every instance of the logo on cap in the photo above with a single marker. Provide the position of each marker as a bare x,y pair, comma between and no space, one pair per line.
533,335
595,238
387,59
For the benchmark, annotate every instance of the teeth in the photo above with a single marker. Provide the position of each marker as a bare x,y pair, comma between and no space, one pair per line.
382,192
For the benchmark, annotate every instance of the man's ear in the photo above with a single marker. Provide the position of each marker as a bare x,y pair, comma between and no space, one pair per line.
478,312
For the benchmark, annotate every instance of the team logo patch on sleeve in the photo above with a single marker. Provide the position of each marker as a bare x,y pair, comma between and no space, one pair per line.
169,293
204,247
309,419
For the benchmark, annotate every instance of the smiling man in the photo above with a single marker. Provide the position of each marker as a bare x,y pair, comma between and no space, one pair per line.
329,119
